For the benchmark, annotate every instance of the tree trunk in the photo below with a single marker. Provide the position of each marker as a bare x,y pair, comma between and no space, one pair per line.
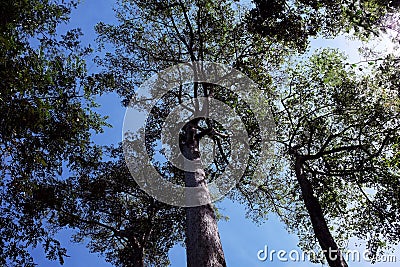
331,251
203,244
137,260
133,255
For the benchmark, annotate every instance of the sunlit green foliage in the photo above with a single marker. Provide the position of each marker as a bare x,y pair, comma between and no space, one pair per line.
345,125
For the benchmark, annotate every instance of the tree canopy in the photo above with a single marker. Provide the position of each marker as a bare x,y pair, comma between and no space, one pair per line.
47,118
294,22
337,156
105,206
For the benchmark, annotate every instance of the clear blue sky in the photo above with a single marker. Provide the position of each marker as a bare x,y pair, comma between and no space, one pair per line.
241,239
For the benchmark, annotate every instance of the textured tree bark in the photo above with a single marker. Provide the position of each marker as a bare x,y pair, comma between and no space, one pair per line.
331,251
203,244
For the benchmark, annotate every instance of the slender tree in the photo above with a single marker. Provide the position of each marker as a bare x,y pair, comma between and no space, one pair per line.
337,134
294,23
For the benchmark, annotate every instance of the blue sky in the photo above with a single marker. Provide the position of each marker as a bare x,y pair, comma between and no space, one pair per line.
241,239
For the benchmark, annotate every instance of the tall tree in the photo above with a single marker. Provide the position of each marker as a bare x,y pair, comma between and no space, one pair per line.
294,23
154,35
46,118
337,133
